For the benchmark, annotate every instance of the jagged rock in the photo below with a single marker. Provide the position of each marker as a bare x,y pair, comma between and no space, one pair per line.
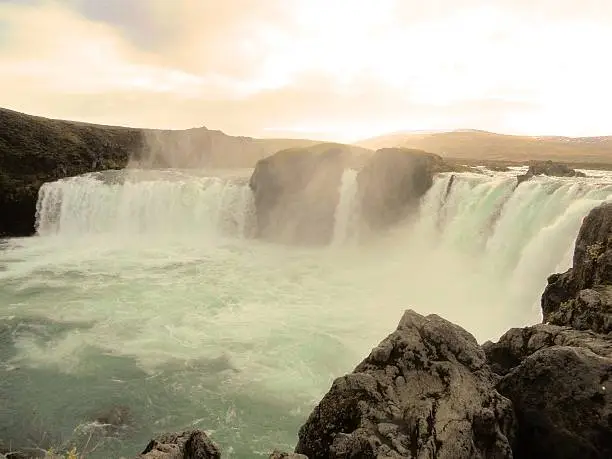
590,310
549,168
562,397
425,391
519,343
393,181
296,194
193,444
581,297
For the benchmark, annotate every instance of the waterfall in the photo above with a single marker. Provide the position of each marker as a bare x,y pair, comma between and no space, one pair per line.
137,202
519,233
346,212
525,232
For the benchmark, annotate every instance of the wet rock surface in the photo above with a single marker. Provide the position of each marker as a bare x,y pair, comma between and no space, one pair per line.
393,181
296,193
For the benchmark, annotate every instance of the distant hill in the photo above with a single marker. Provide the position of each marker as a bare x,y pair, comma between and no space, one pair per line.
483,145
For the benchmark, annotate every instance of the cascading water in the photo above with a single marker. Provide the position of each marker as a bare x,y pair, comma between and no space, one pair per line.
134,295
138,202
522,233
347,212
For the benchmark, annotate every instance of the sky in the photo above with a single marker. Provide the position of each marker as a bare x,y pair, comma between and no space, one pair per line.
327,69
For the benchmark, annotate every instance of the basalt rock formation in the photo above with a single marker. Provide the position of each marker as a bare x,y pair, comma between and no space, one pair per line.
550,168
296,193
393,181
582,296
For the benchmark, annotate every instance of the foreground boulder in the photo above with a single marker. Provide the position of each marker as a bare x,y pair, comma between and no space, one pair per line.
549,168
393,181
560,383
296,193
562,396
425,391
193,444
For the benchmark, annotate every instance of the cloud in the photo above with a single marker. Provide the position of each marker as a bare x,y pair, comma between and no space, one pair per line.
337,69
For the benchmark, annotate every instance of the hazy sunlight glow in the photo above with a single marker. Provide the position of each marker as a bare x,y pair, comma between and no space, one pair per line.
344,70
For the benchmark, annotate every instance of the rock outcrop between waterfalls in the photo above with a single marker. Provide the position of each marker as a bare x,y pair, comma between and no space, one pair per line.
297,190
429,390
550,168
393,181
296,193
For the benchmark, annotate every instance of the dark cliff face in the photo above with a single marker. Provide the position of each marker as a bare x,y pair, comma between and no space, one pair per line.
35,150
296,193
582,296
297,190
393,181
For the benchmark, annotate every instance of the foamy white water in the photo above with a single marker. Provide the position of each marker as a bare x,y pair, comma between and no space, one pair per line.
141,291
137,202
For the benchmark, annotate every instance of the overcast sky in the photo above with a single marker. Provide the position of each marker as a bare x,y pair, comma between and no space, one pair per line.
333,69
